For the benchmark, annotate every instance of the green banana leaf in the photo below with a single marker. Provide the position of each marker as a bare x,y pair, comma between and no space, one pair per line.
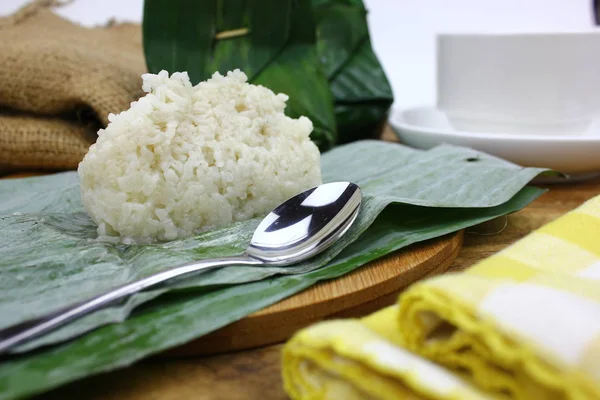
49,258
177,320
278,51
360,89
316,52
68,265
181,36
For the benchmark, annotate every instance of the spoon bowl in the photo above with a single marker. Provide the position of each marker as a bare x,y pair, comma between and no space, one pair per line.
306,224
300,228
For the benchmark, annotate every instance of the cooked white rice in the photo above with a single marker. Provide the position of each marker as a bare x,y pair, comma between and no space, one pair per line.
185,158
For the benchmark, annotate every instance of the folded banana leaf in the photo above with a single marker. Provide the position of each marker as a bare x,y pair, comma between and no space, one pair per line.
317,52
360,89
49,258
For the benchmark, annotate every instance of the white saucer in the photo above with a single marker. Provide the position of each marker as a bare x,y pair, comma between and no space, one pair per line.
576,156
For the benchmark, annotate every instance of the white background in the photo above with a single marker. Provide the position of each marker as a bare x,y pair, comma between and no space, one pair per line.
403,31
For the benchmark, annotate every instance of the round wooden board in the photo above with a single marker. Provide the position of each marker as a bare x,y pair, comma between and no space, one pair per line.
356,294
363,291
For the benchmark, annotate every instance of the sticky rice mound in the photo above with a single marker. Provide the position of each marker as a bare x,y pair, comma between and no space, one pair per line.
188,158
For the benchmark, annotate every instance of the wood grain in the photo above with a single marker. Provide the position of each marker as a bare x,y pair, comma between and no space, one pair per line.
254,374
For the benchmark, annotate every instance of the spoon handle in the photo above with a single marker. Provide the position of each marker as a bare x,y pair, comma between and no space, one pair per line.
26,331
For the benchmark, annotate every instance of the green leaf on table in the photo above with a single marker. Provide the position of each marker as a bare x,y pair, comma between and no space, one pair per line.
49,257
176,320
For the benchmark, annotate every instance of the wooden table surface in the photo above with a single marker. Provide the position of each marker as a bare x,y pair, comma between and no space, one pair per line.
255,374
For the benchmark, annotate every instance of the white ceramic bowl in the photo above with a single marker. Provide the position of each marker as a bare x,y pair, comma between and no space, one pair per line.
426,127
545,83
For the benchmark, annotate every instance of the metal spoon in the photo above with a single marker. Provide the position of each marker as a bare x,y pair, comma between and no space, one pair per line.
298,229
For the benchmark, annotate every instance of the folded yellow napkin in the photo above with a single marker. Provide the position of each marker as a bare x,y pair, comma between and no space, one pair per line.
522,324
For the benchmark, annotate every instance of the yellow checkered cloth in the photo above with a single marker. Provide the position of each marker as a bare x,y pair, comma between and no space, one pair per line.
522,324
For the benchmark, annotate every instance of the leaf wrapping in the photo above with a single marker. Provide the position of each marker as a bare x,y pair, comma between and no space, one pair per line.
316,52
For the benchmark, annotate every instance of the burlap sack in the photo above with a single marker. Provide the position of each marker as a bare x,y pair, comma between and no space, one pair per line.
58,83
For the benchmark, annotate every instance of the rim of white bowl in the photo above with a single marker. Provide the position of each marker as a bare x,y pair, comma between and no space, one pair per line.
396,119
